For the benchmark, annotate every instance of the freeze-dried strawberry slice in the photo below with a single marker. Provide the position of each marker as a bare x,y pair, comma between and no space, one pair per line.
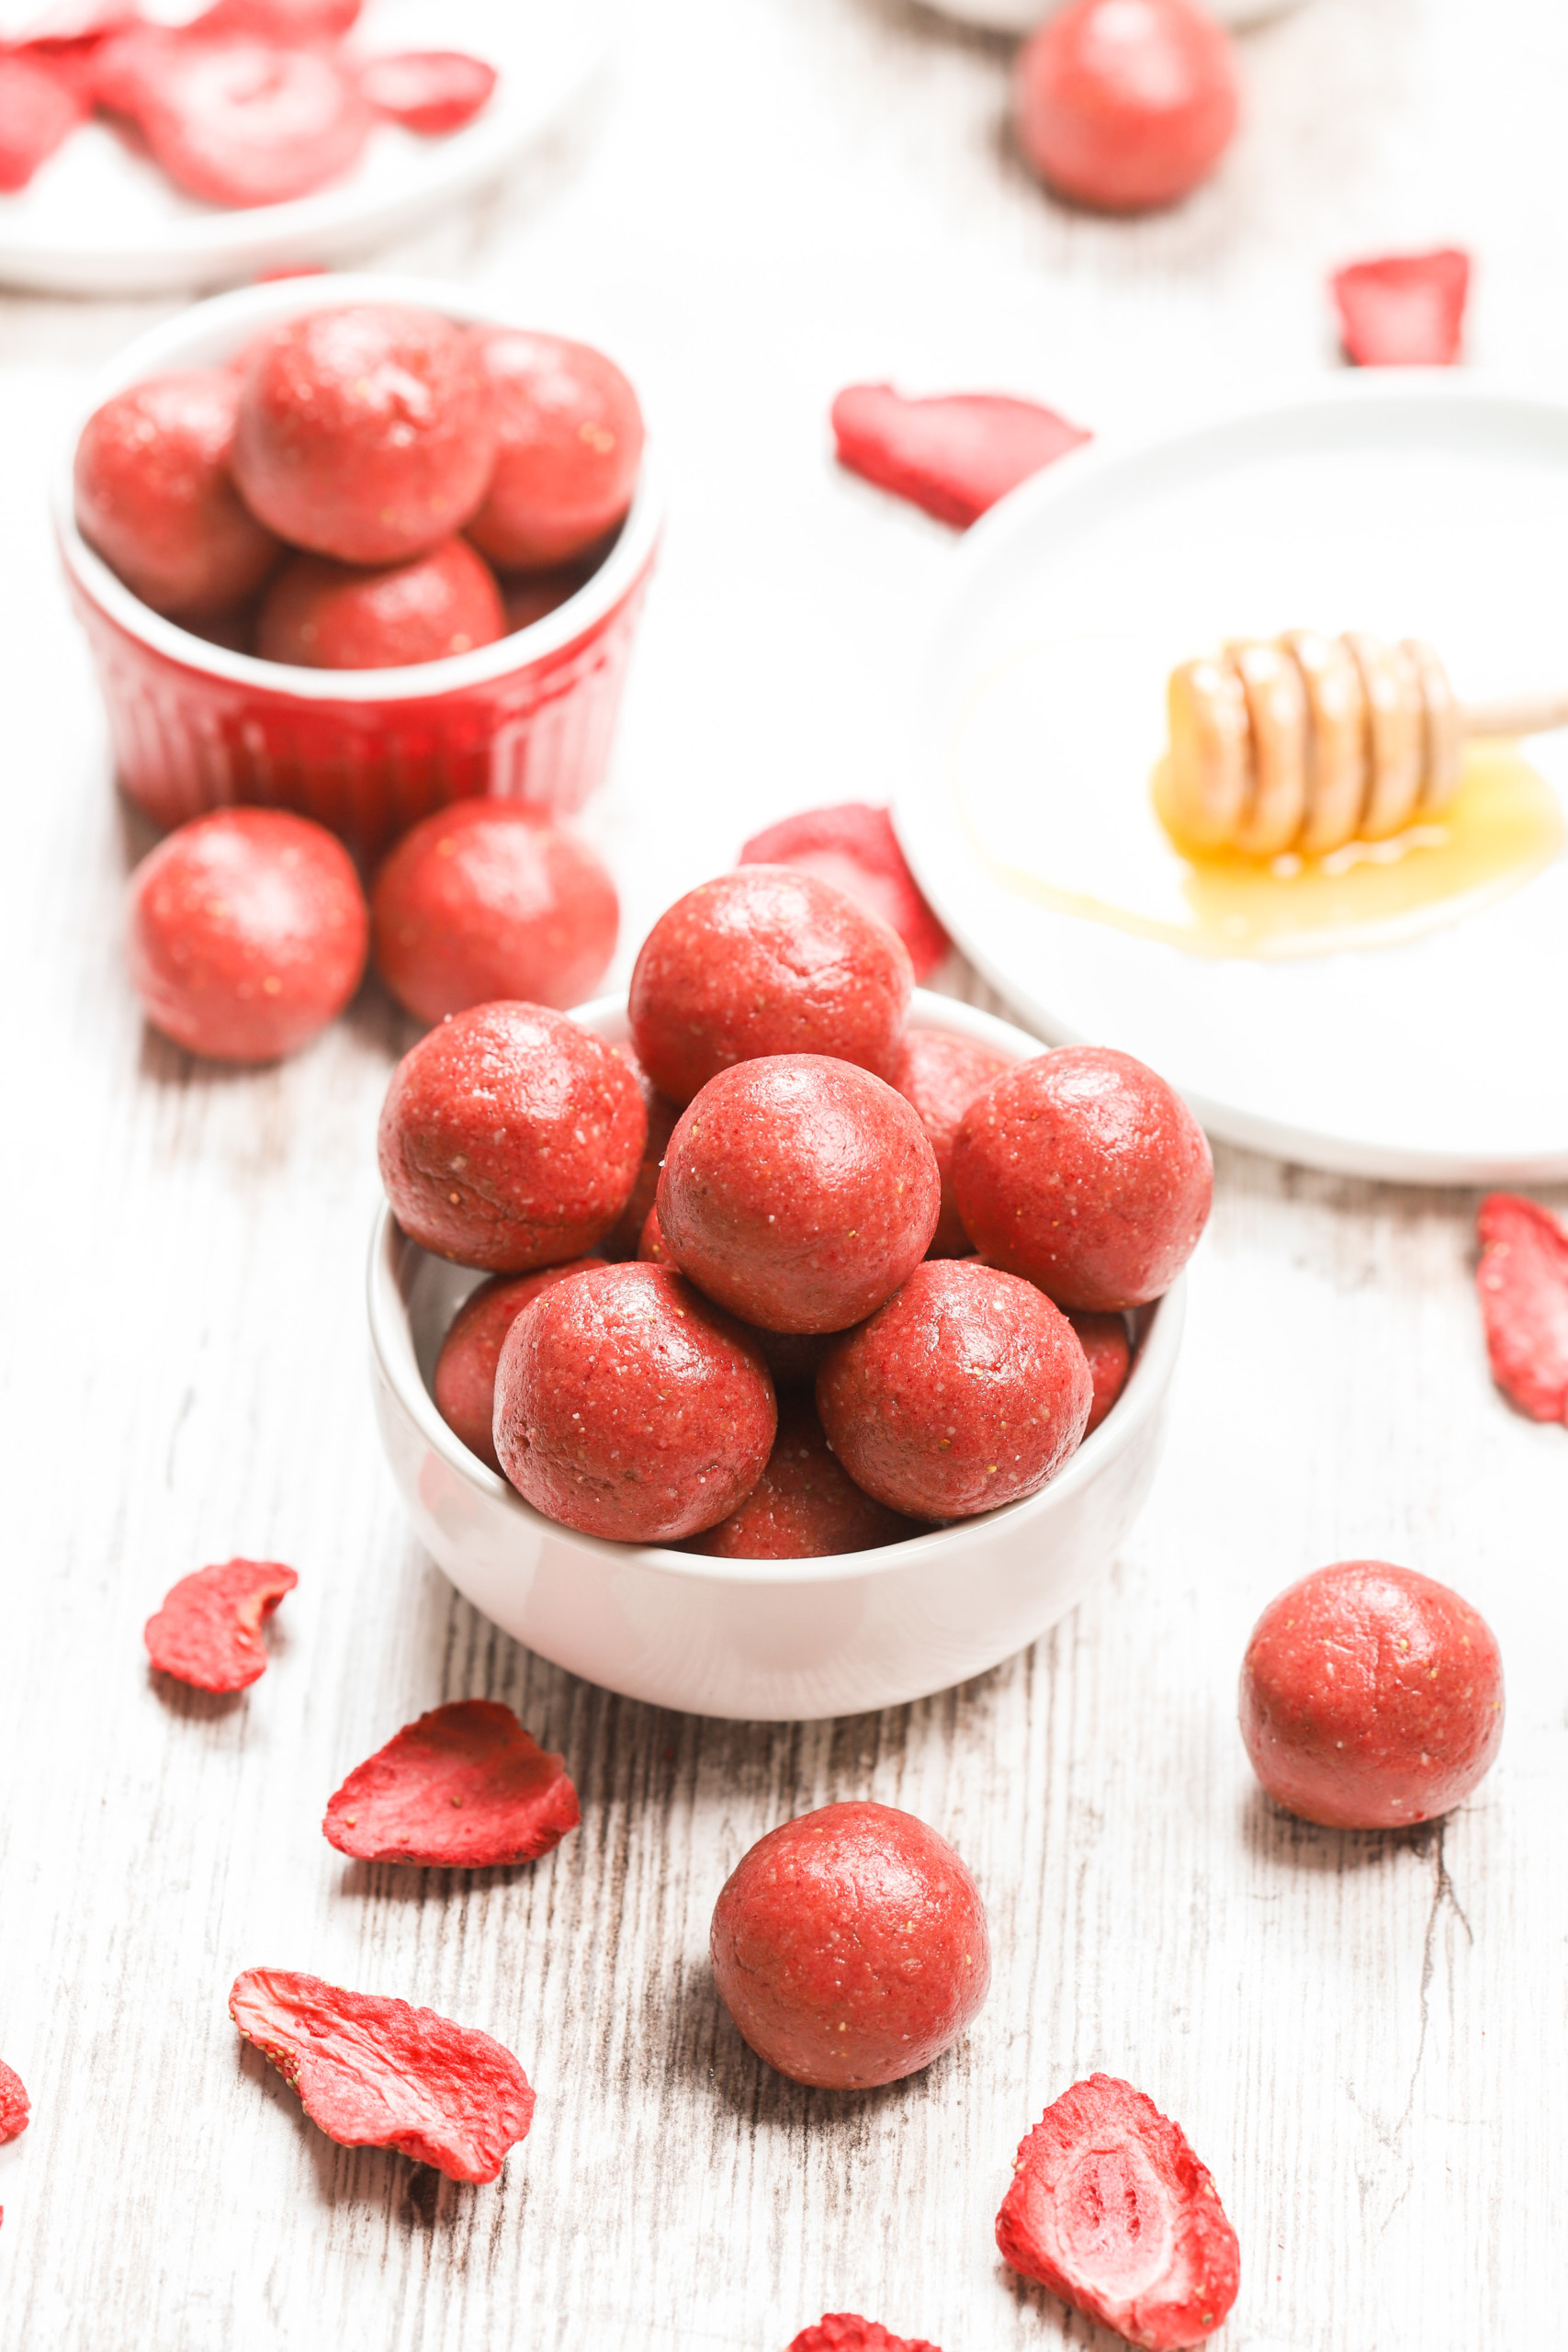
1111,2209
1405,311
238,120
208,1630
41,106
286,21
464,1787
428,90
844,2332
374,2073
15,2105
954,454
854,847
1522,1283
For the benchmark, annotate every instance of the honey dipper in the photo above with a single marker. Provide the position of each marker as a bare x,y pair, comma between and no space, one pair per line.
1305,742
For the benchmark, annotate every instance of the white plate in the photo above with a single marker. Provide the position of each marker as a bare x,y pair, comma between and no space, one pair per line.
98,219
1402,503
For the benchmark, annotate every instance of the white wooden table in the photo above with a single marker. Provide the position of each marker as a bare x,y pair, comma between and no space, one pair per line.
1364,2036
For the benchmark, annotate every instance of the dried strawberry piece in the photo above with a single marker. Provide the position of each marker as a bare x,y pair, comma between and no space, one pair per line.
41,106
15,2105
956,454
854,847
1522,1283
844,2332
428,90
1111,2209
209,1631
1405,311
236,119
463,1787
285,21
374,2073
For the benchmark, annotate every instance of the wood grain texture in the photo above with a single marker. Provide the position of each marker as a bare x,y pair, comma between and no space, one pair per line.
1364,2036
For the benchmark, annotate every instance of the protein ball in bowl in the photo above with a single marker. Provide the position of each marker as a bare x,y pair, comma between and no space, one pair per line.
1085,1173
248,933
1109,1354
627,1405
320,615
851,1947
365,433
967,1390
153,494
765,960
941,1075
509,1139
798,1192
625,1237
1371,1696
488,900
805,1506
464,1384
569,447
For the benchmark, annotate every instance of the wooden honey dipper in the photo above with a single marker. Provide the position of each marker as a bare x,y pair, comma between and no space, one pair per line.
1304,742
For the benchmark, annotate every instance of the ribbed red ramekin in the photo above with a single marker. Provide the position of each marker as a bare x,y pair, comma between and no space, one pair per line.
194,727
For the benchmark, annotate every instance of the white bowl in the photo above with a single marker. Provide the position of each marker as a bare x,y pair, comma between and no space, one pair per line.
770,1641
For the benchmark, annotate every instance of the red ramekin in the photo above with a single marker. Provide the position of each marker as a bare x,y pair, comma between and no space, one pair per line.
194,727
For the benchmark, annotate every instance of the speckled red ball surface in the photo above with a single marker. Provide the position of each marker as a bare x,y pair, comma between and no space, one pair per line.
487,899
1371,1696
1085,1173
941,1075
850,1947
765,960
625,1239
628,1406
248,933
967,1390
465,1370
325,616
1126,104
798,1192
1109,1354
154,496
509,1139
366,433
569,444
805,1506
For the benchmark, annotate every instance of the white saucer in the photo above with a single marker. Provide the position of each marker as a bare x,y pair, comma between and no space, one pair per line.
1403,502
98,219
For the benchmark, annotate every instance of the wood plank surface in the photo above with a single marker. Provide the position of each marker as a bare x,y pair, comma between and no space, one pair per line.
1364,2036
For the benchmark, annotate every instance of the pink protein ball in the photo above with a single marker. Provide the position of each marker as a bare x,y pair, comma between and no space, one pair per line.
798,1192
627,1405
247,934
465,1370
625,1237
569,448
487,899
1109,1354
509,1139
941,1075
1371,1697
805,1506
765,960
968,1389
320,615
1086,1174
851,1947
154,496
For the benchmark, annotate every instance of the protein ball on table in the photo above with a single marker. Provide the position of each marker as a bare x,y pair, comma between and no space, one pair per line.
488,900
509,1139
1371,1697
248,933
798,1192
626,1236
805,1506
320,615
765,961
941,1075
366,433
1109,1354
967,1390
850,1947
627,1405
1126,104
154,496
464,1384
569,444
1086,1174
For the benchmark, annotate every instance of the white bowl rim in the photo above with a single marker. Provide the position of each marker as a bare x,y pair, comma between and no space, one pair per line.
222,323
1153,1363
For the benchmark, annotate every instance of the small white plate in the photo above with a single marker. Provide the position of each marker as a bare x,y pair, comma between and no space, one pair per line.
1406,504
98,219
